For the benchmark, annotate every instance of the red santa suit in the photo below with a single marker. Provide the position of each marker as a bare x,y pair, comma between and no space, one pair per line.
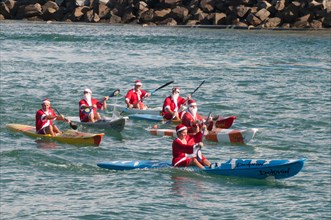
190,121
41,121
182,153
136,97
83,115
170,103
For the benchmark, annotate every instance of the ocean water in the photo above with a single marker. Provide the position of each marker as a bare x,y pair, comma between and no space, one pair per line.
276,81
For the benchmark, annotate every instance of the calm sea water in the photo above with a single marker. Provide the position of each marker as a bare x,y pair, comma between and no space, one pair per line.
278,82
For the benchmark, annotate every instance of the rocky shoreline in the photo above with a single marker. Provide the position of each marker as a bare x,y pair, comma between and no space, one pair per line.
244,14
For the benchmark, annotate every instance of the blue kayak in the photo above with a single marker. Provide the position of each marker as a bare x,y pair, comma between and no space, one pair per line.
250,168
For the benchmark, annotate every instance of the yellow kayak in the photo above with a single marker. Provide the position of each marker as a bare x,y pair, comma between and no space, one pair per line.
68,136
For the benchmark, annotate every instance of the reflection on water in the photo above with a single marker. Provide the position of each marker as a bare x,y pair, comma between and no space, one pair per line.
44,144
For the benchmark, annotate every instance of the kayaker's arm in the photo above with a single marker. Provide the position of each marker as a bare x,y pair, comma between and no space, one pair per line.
52,117
104,103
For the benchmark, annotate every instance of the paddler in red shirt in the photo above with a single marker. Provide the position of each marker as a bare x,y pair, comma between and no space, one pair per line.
134,97
44,119
193,120
172,105
185,147
88,107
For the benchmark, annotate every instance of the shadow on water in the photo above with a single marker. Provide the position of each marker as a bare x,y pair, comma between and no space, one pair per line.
113,133
182,178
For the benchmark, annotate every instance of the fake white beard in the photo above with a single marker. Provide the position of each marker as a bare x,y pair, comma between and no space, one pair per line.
175,98
193,111
88,98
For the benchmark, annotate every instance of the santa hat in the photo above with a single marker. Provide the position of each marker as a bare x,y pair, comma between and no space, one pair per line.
180,127
175,89
191,102
88,90
138,83
46,101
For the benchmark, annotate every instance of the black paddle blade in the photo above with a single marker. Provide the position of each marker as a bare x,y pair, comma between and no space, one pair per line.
198,87
124,111
115,93
168,83
208,118
73,126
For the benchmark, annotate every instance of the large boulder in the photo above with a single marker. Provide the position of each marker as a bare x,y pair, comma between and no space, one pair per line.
160,15
9,8
219,18
4,10
253,20
80,12
169,22
264,4
114,19
91,16
279,5
147,16
273,22
50,11
242,11
29,11
262,14
179,14
315,24
290,13
302,22
104,11
128,17
207,5
169,3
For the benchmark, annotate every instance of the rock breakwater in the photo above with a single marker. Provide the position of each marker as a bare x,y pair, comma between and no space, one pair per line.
270,14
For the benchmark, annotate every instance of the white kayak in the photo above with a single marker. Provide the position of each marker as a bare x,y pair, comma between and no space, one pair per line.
232,136
114,124
123,109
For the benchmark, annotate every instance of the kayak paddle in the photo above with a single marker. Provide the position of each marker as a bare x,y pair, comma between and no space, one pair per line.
152,92
185,102
115,93
198,87
206,123
72,125
168,83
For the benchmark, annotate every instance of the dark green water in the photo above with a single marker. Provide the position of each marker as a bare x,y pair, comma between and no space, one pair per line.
278,82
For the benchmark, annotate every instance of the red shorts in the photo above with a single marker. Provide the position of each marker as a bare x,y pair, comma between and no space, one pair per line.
42,131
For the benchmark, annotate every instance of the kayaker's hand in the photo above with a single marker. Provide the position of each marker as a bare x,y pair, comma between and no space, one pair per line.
182,108
200,144
60,117
105,98
130,106
196,129
174,113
